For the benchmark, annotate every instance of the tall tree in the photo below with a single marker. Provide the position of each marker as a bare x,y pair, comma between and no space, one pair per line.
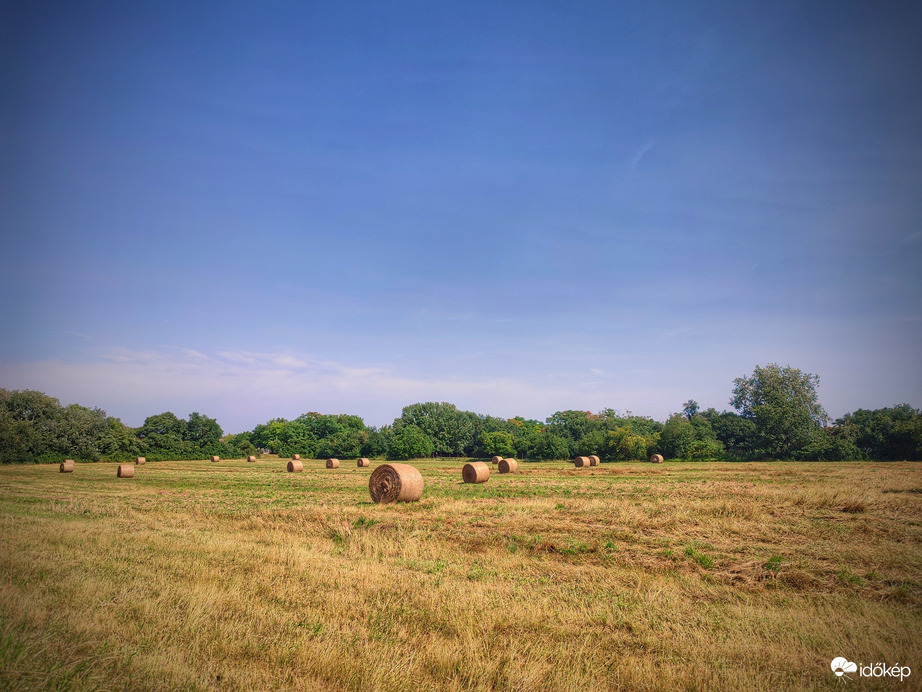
201,430
783,403
690,408
450,430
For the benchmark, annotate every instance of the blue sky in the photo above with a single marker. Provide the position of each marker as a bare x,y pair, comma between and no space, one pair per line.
257,210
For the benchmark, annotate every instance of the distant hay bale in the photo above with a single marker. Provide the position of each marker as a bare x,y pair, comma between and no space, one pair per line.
594,460
216,458
140,461
251,458
496,460
67,466
125,471
581,462
296,457
508,466
332,463
476,472
294,466
395,483
656,459
363,463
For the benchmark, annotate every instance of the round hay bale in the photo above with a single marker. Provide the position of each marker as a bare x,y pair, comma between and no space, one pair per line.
251,458
656,459
476,472
67,466
295,466
581,462
395,483
508,466
140,461
125,471
296,457
332,463
594,460
363,463
496,460
216,458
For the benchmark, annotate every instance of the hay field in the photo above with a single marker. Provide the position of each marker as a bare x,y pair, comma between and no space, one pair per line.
241,576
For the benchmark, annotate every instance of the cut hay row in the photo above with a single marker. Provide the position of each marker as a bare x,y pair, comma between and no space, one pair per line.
473,472
396,483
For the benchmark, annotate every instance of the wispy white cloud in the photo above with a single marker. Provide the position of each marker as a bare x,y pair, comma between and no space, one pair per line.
243,388
640,154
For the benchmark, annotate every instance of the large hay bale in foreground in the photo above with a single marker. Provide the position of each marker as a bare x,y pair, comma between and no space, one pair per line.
251,458
332,463
656,459
125,471
296,457
216,458
594,460
67,466
508,466
294,466
496,460
363,463
140,461
581,462
476,472
395,483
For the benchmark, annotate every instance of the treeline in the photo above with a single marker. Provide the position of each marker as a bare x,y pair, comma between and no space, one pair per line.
777,416
34,427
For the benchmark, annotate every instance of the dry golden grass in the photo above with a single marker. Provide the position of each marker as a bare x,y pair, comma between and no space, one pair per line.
623,576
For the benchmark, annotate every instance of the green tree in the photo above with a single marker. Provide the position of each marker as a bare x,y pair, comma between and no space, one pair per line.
377,442
884,434
624,444
737,434
80,431
202,431
451,431
410,442
572,426
547,446
497,443
241,444
677,437
783,404
827,445
119,442
29,425
704,450
163,437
